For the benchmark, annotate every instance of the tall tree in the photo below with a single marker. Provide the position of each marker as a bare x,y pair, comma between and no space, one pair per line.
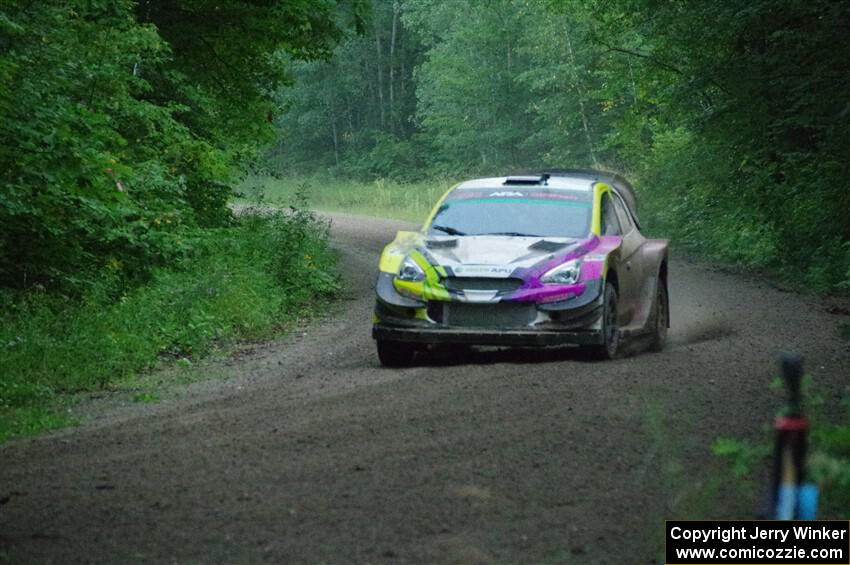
116,115
468,99
355,111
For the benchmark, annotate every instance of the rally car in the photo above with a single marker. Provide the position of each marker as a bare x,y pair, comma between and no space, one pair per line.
550,258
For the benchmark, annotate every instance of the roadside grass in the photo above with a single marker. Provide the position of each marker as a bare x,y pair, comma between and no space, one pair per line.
382,198
145,398
828,453
668,472
685,495
243,282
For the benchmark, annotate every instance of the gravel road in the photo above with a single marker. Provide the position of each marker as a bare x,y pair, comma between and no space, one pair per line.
311,453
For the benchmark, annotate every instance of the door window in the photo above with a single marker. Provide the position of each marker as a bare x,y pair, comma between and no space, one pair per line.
622,214
609,223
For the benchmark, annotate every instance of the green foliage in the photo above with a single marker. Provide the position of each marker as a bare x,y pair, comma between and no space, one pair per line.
64,126
472,106
123,126
765,124
828,459
744,456
123,123
730,117
352,114
32,419
145,398
238,282
385,156
232,53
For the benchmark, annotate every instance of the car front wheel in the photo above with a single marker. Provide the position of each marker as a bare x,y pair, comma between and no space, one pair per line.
660,318
610,329
395,353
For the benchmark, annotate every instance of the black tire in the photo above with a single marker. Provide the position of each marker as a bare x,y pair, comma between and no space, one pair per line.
660,318
610,329
395,353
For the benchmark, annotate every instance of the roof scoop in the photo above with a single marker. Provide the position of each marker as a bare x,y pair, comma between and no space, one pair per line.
526,180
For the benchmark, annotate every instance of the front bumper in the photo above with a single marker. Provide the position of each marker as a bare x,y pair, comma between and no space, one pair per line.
576,321
480,336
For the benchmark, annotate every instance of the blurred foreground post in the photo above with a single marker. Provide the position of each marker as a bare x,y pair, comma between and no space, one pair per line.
791,497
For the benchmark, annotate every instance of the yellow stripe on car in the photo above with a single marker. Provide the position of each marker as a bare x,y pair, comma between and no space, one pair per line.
599,189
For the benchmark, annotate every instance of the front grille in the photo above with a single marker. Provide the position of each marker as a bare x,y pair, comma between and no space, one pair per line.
482,283
498,315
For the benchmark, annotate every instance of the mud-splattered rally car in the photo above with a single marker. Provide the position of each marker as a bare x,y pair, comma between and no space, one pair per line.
550,258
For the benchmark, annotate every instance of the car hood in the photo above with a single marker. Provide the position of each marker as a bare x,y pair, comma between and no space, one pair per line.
490,255
525,258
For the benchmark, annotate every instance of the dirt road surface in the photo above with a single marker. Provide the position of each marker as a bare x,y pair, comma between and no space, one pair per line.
311,453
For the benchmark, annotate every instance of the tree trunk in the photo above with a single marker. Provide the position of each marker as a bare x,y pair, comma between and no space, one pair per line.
581,95
330,107
380,76
336,140
392,65
369,116
348,113
402,79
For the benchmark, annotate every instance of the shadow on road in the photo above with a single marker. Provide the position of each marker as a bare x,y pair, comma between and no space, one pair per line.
451,356
457,355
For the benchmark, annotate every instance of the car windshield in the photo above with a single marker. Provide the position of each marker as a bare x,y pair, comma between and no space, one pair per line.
524,216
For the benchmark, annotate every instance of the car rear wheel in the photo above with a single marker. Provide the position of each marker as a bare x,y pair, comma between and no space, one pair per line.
395,353
610,329
661,318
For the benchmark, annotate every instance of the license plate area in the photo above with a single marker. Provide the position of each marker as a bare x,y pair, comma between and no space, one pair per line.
500,315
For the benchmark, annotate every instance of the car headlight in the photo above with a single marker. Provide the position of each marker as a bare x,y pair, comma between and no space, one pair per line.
567,273
410,270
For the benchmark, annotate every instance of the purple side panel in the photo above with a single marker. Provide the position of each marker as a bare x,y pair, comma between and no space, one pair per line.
594,253
594,262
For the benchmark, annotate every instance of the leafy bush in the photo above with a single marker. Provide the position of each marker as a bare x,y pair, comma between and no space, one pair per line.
122,125
375,155
94,171
236,282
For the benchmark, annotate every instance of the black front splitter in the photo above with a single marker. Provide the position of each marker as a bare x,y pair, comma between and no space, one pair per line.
475,336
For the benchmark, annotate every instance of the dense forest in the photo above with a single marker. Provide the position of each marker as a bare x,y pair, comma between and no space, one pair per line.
731,117
124,122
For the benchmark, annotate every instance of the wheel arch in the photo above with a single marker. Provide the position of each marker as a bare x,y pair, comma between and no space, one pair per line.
611,276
